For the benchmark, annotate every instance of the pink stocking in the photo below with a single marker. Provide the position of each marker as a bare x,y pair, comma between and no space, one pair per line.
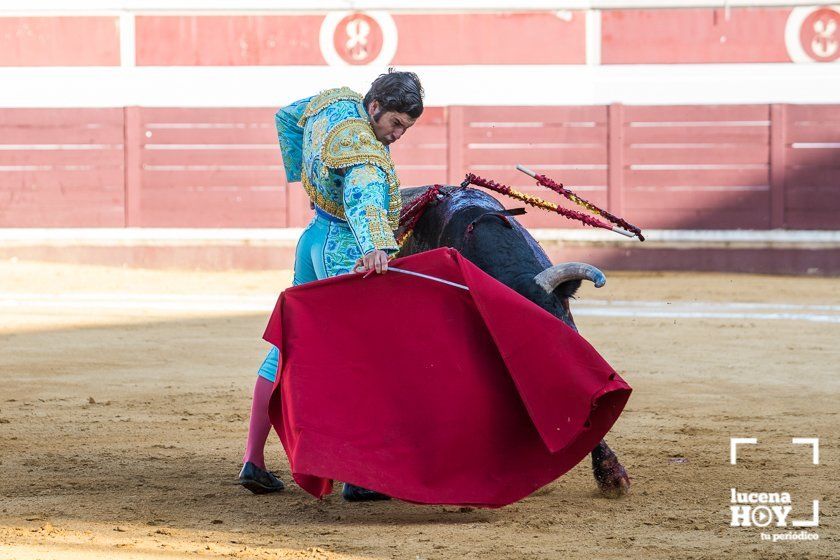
260,425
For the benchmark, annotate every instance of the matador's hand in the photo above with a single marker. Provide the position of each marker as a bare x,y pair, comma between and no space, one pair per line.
375,260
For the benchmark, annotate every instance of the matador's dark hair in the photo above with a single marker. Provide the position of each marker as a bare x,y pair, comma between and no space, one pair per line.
397,91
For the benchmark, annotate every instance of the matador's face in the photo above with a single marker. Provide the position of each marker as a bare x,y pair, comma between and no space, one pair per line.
388,126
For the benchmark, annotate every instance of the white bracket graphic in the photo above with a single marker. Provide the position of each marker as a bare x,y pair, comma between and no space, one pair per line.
815,517
733,447
815,442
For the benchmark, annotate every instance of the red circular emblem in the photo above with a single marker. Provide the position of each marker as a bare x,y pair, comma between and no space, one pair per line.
358,38
820,35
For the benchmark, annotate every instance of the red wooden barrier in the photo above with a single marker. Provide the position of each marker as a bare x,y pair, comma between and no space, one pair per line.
697,167
209,168
420,155
812,166
684,167
777,165
61,167
567,143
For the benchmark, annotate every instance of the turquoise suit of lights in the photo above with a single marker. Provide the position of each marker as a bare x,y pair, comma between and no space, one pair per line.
328,144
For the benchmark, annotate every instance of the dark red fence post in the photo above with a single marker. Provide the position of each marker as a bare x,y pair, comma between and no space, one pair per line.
455,145
778,140
615,158
132,147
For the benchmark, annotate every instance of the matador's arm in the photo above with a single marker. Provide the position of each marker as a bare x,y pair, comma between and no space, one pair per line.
366,202
290,136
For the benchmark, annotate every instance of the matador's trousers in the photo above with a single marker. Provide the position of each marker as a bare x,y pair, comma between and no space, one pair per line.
326,248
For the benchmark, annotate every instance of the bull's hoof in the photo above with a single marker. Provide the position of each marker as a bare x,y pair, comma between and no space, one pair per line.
613,480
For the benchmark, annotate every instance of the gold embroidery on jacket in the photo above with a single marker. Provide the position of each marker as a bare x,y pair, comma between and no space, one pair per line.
326,98
352,142
329,206
381,234
319,132
394,208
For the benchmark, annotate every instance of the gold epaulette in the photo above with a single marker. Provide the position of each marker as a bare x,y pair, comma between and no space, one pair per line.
326,98
352,142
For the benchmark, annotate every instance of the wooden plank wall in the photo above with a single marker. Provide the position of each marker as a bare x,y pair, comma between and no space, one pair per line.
568,144
700,167
421,154
812,167
207,168
62,167
683,167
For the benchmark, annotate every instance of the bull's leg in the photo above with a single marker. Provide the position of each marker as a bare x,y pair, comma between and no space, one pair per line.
610,475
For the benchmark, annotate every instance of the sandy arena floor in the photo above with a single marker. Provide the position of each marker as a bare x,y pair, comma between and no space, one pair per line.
124,397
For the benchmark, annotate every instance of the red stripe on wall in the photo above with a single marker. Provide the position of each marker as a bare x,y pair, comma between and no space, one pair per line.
628,36
693,36
59,41
500,38
228,40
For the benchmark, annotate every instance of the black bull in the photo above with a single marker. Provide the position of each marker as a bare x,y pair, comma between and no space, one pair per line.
474,223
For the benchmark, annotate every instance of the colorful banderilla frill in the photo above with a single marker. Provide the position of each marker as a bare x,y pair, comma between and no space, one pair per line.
621,226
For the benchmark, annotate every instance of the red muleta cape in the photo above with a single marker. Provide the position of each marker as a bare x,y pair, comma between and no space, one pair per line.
431,393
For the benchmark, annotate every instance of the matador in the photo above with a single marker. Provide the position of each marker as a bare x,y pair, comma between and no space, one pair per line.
336,144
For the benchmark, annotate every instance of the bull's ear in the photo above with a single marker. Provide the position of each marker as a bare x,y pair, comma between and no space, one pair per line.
567,289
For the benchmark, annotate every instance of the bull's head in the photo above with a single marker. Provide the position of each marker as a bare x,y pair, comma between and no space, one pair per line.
483,231
506,251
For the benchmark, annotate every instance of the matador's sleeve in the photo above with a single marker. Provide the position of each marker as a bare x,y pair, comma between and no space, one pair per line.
290,136
366,202
371,191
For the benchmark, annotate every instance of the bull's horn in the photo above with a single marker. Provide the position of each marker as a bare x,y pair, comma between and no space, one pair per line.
552,277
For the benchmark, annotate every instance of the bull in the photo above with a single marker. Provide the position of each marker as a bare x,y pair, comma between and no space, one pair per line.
479,227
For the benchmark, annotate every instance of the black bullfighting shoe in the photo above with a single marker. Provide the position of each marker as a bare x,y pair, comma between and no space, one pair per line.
353,493
259,481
